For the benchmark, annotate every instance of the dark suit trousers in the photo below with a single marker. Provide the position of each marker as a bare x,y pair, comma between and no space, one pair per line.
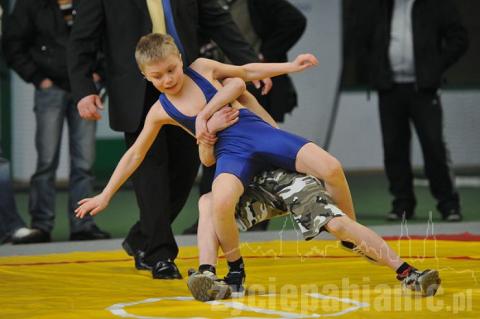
400,106
162,184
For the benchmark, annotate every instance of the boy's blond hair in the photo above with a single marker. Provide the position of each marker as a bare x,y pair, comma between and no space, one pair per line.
154,47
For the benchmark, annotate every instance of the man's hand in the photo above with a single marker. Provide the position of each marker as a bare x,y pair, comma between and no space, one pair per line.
201,131
89,106
46,83
96,77
267,85
91,206
223,118
304,61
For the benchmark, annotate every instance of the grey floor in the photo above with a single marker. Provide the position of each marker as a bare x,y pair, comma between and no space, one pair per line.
190,240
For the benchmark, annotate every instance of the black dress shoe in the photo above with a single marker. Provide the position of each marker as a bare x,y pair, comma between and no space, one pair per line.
138,256
166,270
93,233
35,236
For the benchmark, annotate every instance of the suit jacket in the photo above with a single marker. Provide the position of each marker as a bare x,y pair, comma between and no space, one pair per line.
35,40
279,25
439,37
116,25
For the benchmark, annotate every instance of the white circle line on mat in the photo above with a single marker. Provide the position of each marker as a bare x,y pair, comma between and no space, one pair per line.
119,308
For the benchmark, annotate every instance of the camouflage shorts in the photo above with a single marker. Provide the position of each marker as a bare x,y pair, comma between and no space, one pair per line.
278,193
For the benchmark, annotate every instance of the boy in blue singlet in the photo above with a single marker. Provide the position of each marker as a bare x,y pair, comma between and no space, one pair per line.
190,96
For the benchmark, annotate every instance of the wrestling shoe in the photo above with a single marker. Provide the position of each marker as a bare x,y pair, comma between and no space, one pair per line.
205,286
236,280
425,282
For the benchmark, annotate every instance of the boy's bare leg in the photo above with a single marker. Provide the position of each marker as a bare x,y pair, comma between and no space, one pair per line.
372,245
207,240
425,282
313,160
226,190
217,226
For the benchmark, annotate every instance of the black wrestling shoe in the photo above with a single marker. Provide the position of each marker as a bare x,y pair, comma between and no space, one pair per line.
205,286
166,269
236,280
92,233
424,282
138,256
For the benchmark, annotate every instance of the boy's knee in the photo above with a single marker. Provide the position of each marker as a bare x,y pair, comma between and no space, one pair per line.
204,203
223,202
338,226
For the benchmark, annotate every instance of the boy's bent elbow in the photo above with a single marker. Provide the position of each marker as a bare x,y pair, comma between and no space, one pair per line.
236,83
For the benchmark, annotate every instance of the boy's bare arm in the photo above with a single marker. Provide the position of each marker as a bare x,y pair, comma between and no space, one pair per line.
207,154
127,164
227,94
220,120
230,91
258,71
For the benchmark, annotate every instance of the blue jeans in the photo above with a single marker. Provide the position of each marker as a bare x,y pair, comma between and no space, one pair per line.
10,221
52,107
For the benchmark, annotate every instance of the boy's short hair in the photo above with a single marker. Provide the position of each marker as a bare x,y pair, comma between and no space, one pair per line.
154,47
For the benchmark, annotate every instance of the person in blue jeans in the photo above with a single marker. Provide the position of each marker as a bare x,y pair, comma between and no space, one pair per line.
34,45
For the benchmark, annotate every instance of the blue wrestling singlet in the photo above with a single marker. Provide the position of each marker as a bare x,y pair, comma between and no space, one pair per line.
248,146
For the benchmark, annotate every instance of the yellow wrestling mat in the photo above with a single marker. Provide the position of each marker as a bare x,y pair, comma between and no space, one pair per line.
284,280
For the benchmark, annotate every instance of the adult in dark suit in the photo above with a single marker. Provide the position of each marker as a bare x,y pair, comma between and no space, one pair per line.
278,25
410,45
164,179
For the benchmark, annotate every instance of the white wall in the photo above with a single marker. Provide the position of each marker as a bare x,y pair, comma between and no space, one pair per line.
357,139
316,87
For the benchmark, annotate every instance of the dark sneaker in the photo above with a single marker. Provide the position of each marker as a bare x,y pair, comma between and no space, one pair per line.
452,215
205,286
425,282
92,233
166,269
236,280
347,245
33,236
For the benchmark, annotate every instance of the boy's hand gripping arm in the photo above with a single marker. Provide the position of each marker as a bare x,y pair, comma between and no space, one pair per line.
219,121
231,90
